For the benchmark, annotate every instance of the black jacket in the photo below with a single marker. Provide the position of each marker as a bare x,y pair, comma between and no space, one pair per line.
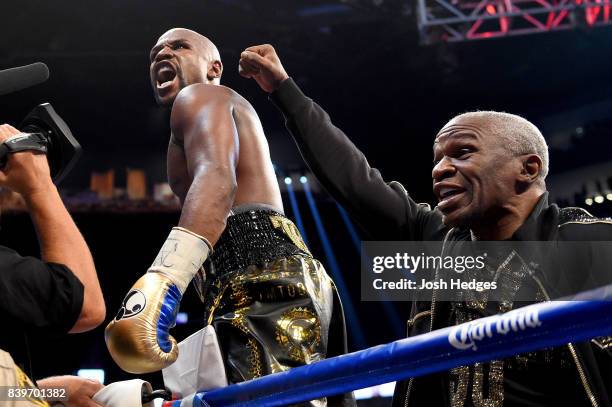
387,212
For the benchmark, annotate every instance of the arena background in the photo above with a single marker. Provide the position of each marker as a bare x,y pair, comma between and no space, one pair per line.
384,82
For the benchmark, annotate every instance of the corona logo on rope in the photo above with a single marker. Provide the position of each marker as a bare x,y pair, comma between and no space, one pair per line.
465,336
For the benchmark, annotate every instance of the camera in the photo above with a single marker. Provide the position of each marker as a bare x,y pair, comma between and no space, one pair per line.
44,130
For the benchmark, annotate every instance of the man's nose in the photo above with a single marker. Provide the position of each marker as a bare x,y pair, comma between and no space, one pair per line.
164,53
443,169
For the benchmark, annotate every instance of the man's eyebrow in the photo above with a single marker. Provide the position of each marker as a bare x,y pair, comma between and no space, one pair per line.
455,137
159,46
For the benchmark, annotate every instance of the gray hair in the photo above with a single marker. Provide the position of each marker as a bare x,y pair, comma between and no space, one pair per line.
518,134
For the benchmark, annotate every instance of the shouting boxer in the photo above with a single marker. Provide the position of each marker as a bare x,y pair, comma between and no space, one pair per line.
271,303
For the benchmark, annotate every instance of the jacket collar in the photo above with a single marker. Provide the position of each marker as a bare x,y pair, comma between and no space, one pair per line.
540,223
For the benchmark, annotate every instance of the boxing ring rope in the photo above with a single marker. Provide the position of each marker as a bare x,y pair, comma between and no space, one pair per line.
586,316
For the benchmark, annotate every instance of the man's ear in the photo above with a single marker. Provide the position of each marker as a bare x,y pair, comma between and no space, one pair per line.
215,70
531,168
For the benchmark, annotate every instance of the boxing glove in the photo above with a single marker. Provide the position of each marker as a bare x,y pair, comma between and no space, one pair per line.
138,338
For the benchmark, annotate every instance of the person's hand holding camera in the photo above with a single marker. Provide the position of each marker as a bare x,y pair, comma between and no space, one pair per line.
28,174
25,172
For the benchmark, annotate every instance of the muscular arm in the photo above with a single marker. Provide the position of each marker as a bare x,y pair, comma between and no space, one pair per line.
384,210
202,122
203,127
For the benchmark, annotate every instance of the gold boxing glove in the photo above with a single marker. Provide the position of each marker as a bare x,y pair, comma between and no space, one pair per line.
138,338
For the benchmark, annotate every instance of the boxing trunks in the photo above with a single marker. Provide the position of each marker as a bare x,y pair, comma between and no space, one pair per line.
271,303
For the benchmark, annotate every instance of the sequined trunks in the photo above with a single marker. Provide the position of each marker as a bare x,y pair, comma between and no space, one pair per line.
272,304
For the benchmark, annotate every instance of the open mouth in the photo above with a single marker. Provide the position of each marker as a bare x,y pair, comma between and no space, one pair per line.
447,193
165,77
448,197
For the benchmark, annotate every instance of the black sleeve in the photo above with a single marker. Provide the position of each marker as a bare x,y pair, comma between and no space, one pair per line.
384,210
36,295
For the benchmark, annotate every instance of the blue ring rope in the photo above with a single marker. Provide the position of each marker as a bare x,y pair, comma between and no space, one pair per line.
529,328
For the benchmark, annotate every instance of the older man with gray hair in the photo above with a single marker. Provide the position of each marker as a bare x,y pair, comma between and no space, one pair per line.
489,178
